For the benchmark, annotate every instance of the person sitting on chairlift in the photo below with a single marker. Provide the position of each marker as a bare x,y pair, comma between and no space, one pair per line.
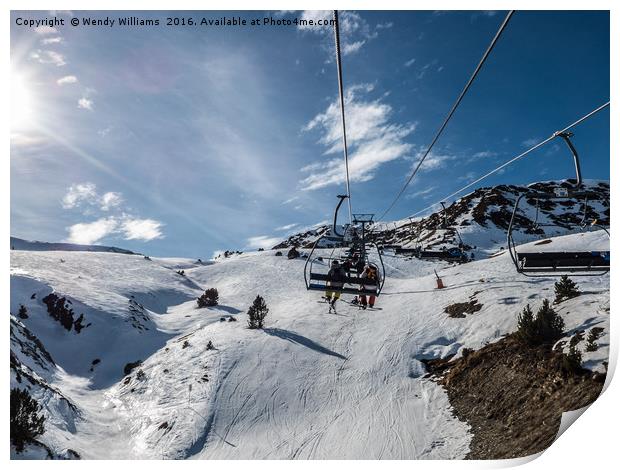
336,278
370,273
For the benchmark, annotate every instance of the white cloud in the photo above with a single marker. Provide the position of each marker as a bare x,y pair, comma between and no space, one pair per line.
82,194
353,47
482,154
67,80
423,193
425,68
283,228
433,161
104,132
262,241
43,30
110,200
469,176
54,40
48,57
373,140
78,194
85,103
89,233
141,229
129,227
354,30
530,142
410,62
292,199
386,25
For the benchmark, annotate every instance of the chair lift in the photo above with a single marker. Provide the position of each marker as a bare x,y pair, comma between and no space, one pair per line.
557,263
416,249
353,240
392,245
450,254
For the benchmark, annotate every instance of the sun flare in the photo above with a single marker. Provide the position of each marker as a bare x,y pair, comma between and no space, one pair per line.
22,103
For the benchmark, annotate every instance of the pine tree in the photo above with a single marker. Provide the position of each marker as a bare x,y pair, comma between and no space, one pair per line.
59,311
565,289
549,325
526,326
257,313
26,423
22,312
546,327
593,336
209,299
293,253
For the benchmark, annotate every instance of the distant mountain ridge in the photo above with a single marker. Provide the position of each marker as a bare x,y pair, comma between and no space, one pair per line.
482,217
27,245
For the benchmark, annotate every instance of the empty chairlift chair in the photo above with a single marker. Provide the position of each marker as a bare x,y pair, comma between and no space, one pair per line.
449,254
581,262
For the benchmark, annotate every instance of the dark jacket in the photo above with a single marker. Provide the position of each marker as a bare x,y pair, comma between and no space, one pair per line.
336,277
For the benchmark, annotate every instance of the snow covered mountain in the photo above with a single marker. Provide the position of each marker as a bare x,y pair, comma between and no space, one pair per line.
125,365
482,217
20,244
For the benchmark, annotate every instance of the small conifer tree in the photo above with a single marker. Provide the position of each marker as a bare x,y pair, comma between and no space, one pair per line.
526,326
565,289
210,298
26,423
257,313
549,324
593,336
22,312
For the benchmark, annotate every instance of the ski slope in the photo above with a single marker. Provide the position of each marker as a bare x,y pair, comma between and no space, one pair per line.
309,386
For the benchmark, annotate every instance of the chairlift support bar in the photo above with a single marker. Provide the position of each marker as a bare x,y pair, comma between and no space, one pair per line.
566,137
342,197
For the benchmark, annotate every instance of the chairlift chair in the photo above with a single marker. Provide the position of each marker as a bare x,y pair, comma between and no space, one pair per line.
557,263
450,254
352,242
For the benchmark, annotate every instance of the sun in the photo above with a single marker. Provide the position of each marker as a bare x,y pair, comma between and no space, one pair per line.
22,102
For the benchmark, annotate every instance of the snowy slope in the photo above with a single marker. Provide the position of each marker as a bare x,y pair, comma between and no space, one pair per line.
310,385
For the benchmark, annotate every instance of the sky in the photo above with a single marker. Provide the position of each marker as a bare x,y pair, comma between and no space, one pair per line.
189,140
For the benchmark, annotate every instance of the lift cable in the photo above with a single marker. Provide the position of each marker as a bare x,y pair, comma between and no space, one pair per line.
518,157
449,116
344,129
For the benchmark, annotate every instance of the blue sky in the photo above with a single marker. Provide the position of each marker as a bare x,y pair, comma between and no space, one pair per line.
184,141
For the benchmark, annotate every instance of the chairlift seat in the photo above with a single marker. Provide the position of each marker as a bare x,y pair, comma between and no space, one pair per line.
350,280
441,254
406,251
343,290
571,261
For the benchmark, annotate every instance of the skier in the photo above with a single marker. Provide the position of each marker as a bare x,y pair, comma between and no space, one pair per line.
336,278
370,273
357,263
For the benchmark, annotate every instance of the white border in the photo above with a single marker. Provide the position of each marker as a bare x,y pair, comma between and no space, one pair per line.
590,443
